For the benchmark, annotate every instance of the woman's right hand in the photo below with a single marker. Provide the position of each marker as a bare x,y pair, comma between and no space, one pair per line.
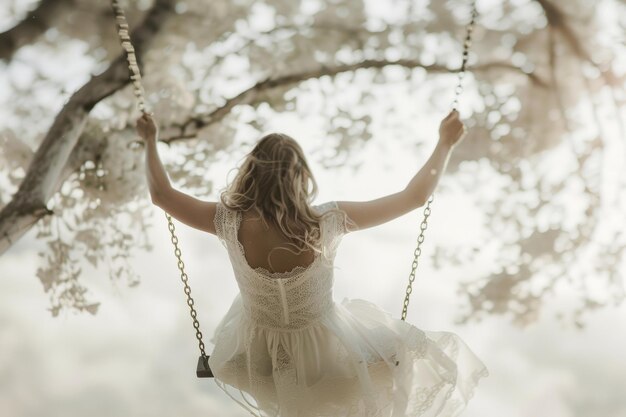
147,127
451,130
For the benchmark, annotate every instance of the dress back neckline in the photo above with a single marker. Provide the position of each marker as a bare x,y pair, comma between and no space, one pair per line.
296,270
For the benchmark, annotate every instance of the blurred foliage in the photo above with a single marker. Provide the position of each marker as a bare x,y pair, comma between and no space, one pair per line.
544,104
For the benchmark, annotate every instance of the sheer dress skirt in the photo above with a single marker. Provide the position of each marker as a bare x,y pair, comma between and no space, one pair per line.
356,360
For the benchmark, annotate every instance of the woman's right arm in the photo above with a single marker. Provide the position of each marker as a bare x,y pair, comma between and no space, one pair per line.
365,214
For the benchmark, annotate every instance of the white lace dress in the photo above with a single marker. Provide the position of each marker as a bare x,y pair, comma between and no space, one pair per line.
286,348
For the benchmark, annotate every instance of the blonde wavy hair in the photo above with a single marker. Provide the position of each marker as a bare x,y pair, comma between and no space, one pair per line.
276,181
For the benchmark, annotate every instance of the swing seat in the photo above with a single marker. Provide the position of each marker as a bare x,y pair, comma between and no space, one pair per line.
203,370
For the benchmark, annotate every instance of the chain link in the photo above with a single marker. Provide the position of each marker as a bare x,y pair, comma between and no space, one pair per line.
135,76
416,255
187,288
467,43
427,210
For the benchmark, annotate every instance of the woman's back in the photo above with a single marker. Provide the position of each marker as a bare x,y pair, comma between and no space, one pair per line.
294,295
274,252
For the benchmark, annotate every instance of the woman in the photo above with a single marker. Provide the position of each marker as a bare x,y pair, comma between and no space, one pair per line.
285,343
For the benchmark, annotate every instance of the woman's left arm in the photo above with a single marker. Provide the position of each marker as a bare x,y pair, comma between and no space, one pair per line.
185,208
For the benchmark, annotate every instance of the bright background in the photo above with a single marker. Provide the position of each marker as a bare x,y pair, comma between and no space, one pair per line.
137,356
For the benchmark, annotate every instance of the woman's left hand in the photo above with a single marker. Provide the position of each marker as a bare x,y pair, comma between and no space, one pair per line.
147,127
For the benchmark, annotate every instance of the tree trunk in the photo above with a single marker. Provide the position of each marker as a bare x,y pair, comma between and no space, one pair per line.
43,177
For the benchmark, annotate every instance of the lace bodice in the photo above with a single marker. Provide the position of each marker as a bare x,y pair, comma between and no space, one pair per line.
288,300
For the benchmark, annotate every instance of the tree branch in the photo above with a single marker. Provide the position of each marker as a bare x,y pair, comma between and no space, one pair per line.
43,177
36,22
557,21
190,128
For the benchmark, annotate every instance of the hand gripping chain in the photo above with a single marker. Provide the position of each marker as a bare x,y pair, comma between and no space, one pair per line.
457,92
202,369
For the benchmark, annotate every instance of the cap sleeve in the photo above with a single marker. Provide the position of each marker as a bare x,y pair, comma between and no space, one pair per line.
333,225
221,222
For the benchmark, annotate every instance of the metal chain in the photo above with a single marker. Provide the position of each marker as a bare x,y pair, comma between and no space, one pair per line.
133,67
466,46
416,254
187,288
457,92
